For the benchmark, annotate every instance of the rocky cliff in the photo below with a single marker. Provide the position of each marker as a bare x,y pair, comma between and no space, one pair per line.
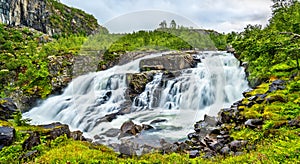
48,16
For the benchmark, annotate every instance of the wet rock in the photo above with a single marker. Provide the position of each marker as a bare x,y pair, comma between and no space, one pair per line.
112,132
77,135
55,130
137,83
237,145
7,108
253,123
128,127
194,153
170,62
7,136
33,140
107,118
206,125
158,121
246,92
147,127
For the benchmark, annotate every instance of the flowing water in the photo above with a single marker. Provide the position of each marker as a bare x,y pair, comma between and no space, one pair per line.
170,104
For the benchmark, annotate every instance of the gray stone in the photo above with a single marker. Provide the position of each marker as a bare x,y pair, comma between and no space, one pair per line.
170,62
7,136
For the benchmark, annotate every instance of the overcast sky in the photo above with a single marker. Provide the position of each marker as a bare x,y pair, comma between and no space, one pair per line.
133,15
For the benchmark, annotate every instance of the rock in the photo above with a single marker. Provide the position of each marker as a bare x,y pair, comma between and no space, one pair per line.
253,123
128,127
194,153
159,120
168,148
7,108
225,150
77,135
260,98
294,123
36,14
127,149
227,115
238,153
137,83
170,62
147,127
107,118
237,145
32,141
182,146
207,124
230,49
276,85
29,155
216,146
56,129
7,136
274,98
111,132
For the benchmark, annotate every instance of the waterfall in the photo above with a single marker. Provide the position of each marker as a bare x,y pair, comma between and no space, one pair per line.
177,101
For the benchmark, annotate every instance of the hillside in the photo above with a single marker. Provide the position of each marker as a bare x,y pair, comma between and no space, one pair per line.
38,60
48,16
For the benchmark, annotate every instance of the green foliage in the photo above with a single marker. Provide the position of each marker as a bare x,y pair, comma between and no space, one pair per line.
272,51
24,59
63,19
19,121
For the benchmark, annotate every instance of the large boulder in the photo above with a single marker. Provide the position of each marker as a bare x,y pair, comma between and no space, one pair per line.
170,62
7,108
55,130
7,136
137,83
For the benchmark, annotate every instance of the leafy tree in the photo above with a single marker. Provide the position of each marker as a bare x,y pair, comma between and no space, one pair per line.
173,24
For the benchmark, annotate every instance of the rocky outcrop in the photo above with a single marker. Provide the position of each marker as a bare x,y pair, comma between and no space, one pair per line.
137,82
129,128
7,108
54,130
7,136
170,62
48,16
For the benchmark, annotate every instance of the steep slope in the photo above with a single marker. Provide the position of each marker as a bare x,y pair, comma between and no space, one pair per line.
48,16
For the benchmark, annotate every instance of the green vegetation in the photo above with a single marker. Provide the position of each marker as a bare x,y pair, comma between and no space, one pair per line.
24,59
67,20
272,51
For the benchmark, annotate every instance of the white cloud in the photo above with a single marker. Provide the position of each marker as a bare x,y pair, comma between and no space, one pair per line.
221,15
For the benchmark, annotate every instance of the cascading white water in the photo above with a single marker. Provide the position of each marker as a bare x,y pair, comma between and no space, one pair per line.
177,102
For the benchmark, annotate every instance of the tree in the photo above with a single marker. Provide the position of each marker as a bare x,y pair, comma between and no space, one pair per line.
173,24
163,24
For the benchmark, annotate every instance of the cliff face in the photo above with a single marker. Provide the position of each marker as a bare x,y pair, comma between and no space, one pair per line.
48,16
